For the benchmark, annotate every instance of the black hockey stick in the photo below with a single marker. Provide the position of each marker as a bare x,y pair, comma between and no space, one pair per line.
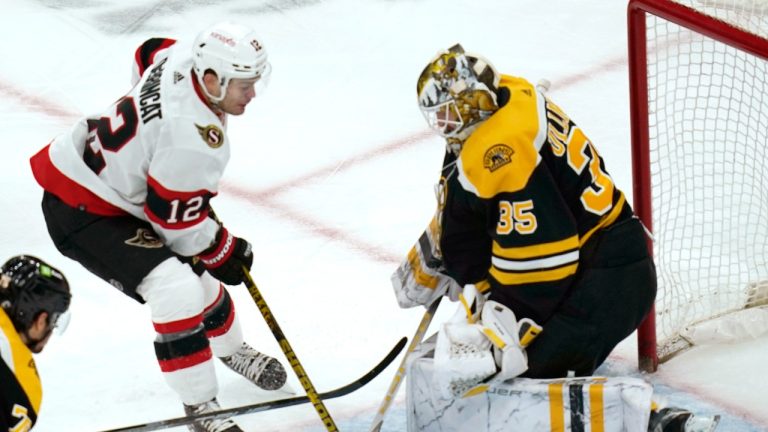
270,405
426,319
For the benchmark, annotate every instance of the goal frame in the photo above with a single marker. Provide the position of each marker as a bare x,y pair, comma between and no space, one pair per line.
693,20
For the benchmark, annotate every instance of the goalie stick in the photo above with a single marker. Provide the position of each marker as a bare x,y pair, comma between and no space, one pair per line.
274,404
426,319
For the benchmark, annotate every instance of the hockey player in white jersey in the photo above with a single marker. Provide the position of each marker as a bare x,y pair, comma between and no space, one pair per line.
127,195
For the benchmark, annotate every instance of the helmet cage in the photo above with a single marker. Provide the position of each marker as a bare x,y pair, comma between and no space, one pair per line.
444,118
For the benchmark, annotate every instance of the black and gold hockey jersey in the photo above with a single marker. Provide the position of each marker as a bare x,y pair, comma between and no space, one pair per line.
20,388
525,194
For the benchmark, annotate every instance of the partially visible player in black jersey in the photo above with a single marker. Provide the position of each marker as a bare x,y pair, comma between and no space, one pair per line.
34,299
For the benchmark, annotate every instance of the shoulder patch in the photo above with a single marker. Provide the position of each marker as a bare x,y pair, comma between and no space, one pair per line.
211,134
497,156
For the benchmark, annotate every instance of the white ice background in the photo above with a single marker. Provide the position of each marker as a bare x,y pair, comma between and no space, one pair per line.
331,180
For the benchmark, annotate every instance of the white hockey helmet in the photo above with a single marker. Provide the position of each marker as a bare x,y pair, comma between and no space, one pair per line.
457,91
230,50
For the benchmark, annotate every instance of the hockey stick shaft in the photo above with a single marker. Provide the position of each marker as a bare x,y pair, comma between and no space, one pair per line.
298,369
394,386
273,404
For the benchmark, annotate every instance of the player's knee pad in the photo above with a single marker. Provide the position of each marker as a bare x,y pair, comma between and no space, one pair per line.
174,295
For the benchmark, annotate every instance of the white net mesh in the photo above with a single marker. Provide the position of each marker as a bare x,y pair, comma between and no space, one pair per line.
708,118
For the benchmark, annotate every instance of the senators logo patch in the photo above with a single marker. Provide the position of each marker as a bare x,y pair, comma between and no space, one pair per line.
497,156
144,238
211,134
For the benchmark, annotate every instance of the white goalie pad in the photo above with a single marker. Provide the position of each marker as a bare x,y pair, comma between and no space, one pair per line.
568,404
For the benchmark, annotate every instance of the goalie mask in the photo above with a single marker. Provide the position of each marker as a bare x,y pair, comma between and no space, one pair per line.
230,50
456,92
29,286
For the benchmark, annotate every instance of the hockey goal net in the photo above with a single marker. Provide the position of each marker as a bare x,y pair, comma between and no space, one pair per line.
699,109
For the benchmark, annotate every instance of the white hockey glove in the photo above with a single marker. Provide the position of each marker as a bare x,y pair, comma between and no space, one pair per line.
503,330
418,280
463,355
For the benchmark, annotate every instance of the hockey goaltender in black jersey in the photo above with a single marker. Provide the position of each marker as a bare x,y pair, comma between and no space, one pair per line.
528,213
530,207
550,264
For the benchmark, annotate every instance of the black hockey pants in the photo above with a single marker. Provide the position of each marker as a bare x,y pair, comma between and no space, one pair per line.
614,290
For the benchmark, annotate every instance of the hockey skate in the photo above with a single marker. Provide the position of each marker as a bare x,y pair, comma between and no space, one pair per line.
680,420
261,369
209,425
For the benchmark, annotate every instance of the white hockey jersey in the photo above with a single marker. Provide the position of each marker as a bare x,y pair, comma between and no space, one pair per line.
158,153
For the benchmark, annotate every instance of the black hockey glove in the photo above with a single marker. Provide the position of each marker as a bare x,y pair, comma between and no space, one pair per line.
225,259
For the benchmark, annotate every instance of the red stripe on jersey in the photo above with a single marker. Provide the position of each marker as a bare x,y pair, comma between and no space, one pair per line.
66,189
141,52
184,362
179,325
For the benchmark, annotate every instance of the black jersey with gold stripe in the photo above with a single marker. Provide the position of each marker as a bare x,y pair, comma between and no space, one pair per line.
20,389
525,194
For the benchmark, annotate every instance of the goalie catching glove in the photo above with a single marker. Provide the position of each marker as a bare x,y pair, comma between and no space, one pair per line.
469,351
509,337
418,280
226,257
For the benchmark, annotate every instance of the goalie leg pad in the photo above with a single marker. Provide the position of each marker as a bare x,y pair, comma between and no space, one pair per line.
588,403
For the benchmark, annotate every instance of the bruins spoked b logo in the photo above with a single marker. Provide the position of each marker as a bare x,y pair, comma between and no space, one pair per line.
211,134
497,156
144,238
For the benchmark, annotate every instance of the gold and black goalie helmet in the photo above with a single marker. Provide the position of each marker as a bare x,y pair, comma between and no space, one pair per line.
457,90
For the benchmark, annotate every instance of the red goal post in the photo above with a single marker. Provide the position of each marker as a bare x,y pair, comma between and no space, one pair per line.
699,116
